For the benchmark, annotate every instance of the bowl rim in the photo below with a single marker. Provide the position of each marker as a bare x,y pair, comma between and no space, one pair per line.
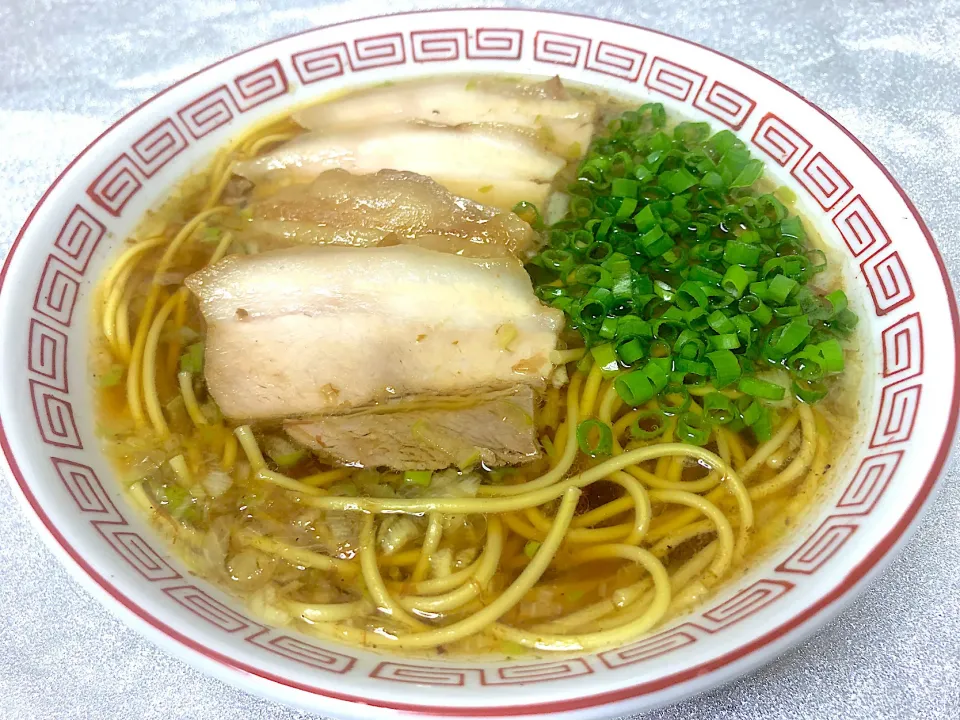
739,660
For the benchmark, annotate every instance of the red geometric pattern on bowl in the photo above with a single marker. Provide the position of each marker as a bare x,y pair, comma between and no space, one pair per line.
716,99
158,146
658,645
56,296
887,279
616,60
779,141
495,44
822,180
869,482
860,497
54,416
745,603
210,610
438,45
604,57
303,652
454,43
91,498
560,48
903,348
725,104
47,354
127,173
79,237
453,676
674,80
901,353
889,283
363,54
247,91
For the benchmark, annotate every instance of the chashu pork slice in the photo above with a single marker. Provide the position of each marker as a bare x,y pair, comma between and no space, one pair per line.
386,207
323,330
491,165
564,123
497,429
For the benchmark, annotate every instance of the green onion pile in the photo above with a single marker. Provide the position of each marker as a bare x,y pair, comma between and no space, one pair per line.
679,273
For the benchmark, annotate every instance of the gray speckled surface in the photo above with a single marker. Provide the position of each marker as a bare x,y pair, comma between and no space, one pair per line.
890,71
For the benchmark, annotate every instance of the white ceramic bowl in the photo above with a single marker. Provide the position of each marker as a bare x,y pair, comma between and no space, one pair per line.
897,283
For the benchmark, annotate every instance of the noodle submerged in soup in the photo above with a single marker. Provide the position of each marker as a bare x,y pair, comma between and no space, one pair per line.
474,365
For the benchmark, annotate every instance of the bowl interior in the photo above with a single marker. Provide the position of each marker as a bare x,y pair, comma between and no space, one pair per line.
908,404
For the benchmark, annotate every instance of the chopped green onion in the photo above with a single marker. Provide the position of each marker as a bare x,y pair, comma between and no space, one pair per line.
608,328
692,132
754,307
741,253
284,453
838,302
693,429
670,255
750,173
780,288
606,357
624,187
745,329
418,477
845,321
674,399
634,388
718,409
531,548
791,228
593,275
192,358
816,260
720,323
112,377
832,355
648,425
788,311
646,220
690,290
751,413
528,212
726,367
702,274
656,373
761,388
676,181
627,207
727,341
697,319
763,426
595,438
689,345
560,261
632,326
793,335
655,242
735,280
809,391
696,367
629,351
808,364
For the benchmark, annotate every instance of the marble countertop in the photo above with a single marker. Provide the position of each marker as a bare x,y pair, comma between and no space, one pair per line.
888,70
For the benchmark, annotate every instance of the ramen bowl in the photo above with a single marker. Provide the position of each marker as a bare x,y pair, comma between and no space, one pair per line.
895,280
